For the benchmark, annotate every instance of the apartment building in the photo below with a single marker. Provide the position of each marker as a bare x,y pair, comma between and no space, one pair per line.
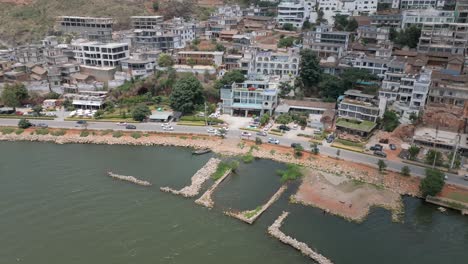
294,12
418,4
277,63
325,42
92,28
462,11
208,58
386,20
430,15
449,38
373,35
137,67
177,26
29,53
156,39
374,65
252,97
146,22
448,87
330,8
97,54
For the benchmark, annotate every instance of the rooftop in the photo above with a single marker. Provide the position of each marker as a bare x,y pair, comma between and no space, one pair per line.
365,126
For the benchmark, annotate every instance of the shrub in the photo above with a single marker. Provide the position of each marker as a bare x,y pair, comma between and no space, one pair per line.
258,141
433,183
199,118
248,158
84,133
117,134
42,131
7,130
433,157
405,171
19,131
106,132
223,167
382,165
291,173
58,133
413,152
136,135
24,123
298,150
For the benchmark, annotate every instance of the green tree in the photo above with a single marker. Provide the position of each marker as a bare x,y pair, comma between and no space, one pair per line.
284,119
264,119
352,76
352,25
155,6
433,157
99,113
298,148
331,87
165,60
405,171
286,42
310,72
408,37
314,148
382,165
341,21
13,95
229,78
413,151
187,94
306,25
258,141
288,27
24,123
390,121
220,47
433,183
140,112
37,109
285,88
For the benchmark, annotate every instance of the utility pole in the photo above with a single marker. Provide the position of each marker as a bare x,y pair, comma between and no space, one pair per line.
457,142
206,121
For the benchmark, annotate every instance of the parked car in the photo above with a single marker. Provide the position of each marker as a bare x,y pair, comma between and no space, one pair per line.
376,147
392,146
262,133
165,124
273,141
121,123
330,138
295,126
245,134
284,127
380,153
295,145
130,127
81,122
42,125
465,177
168,128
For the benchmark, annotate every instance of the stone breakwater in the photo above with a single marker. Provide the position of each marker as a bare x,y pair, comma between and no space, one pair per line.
200,177
129,179
250,216
206,199
274,230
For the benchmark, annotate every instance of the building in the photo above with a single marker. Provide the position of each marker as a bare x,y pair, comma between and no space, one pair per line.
320,114
371,64
373,35
200,58
250,98
446,140
420,16
276,63
386,20
138,67
96,54
325,42
29,53
294,12
92,28
448,87
146,22
331,8
156,39
462,11
87,99
418,4
451,38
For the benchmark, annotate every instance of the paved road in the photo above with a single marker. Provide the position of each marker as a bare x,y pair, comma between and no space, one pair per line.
330,151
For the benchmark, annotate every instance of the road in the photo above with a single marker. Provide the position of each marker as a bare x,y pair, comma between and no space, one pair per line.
326,150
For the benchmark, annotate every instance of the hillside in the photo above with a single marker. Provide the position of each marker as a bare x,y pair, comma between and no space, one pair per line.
23,21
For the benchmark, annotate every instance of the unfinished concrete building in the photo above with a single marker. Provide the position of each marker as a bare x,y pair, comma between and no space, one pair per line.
92,28
146,22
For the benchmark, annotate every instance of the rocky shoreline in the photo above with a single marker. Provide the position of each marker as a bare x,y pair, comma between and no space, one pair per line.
274,231
250,216
128,179
206,199
200,177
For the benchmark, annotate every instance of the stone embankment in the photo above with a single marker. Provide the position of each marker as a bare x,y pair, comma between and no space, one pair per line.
250,216
200,177
274,230
206,199
129,179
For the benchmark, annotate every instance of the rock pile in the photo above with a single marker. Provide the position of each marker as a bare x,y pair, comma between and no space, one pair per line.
205,199
200,177
129,179
274,230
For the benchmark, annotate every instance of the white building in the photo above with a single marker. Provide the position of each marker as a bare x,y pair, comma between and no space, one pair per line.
430,15
99,54
294,12
330,8
277,63
417,4
325,42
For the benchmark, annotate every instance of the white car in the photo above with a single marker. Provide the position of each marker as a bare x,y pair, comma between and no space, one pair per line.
246,134
273,141
211,130
122,123
165,124
168,128
226,128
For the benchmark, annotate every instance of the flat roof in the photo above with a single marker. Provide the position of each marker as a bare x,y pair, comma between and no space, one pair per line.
365,126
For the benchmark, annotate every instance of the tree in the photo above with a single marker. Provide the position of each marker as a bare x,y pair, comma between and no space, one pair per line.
220,47
187,94
298,148
258,141
352,25
309,72
352,76
191,62
24,123
415,117
433,157
306,25
382,165
140,112
413,151
155,6
37,109
230,77
264,119
288,27
285,88
99,113
405,171
390,121
408,37
331,87
433,183
165,60
13,95
341,21
284,119
314,148
286,42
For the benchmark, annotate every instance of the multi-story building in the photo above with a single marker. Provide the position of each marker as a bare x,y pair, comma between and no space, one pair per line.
137,67
420,16
448,88
418,4
146,22
330,8
294,12
325,42
386,20
29,53
373,35
156,39
177,26
55,56
99,54
92,28
200,58
277,63
462,11
373,65
250,98
449,38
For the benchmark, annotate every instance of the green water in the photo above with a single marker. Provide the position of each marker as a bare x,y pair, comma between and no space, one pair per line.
57,206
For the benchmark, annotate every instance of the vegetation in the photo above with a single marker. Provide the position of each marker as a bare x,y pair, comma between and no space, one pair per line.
405,171
140,112
285,88
298,148
309,72
248,157
250,214
42,131
258,141
13,95
165,60
291,173
155,6
382,165
433,183
413,151
234,76
406,37
284,119
19,131
117,134
58,133
343,23
7,130
24,123
314,148
186,94
390,121
349,143
286,42
136,135
433,157
289,27
84,133
223,167
106,132
264,119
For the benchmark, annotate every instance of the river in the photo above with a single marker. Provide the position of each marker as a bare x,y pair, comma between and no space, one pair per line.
58,206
